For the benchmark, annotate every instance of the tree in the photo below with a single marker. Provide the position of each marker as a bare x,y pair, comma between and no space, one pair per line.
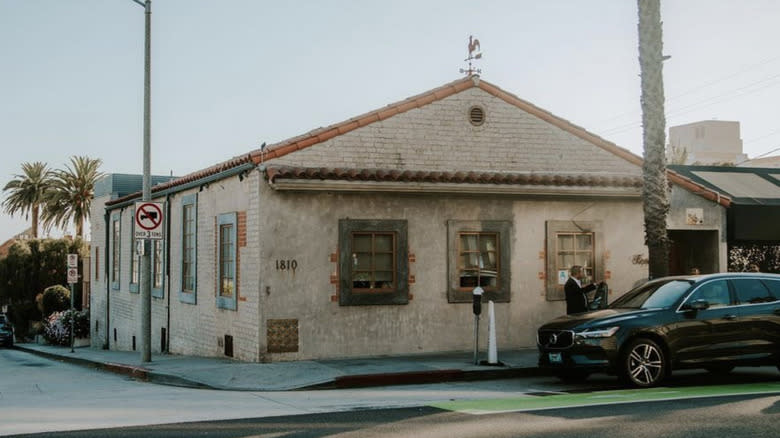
655,185
70,194
26,192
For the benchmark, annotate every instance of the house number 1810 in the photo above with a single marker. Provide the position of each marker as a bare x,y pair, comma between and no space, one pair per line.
284,265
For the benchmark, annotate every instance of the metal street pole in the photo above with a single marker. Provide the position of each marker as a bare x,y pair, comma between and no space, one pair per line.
146,259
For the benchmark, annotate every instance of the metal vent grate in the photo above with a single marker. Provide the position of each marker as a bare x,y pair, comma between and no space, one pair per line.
476,115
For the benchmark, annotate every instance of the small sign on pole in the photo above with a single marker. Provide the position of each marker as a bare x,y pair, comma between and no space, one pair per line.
73,275
73,260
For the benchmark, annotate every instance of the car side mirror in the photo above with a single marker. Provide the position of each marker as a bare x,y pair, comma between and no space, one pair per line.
698,305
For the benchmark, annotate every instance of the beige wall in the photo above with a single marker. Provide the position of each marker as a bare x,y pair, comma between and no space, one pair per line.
304,227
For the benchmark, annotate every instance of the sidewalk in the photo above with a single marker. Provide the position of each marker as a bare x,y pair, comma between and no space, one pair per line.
227,374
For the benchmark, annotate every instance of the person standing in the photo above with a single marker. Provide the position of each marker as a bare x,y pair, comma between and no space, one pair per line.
576,293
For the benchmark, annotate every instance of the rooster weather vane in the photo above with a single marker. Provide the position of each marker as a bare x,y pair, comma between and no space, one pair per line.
474,53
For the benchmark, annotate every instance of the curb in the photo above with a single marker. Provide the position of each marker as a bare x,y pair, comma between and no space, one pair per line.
339,382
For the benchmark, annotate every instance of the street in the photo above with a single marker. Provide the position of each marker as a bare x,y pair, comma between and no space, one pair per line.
39,395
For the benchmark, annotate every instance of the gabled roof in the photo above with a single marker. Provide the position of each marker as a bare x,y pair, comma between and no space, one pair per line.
317,136
323,134
745,185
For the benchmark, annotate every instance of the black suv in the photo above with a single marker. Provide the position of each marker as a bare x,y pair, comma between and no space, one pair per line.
715,322
6,332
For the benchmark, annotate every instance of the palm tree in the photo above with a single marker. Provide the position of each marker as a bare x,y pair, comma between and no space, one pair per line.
654,190
26,192
70,196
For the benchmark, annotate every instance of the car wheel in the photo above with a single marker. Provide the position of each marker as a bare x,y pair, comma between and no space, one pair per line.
720,369
572,376
644,364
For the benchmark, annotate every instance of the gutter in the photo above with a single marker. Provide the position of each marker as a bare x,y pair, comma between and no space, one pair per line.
131,199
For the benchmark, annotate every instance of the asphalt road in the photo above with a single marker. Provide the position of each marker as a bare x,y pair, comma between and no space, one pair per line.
742,416
42,397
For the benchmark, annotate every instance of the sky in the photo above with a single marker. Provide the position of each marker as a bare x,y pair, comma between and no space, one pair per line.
229,75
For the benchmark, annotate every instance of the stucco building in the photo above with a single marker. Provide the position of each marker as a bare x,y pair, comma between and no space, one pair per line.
367,237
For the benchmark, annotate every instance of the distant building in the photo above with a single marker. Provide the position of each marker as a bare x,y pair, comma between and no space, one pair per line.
5,246
705,143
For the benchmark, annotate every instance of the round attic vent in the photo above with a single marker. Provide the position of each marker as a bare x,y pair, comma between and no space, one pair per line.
476,115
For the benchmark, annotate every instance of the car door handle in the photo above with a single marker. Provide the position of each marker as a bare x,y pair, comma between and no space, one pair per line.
730,317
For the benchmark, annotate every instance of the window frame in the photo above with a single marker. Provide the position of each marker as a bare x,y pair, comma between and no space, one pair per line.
397,295
554,290
116,250
189,296
502,292
228,302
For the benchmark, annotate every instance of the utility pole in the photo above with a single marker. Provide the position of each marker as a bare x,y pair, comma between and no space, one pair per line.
146,258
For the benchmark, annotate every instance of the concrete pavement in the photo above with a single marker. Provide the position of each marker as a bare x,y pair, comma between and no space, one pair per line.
228,374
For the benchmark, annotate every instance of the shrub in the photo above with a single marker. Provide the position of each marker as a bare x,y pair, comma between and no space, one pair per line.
55,299
57,326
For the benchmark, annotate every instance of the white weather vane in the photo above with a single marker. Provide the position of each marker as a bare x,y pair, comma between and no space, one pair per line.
474,53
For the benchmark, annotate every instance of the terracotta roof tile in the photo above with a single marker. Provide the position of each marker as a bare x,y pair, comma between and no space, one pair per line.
542,179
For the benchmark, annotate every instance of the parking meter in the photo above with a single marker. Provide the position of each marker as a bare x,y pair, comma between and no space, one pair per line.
477,296
477,307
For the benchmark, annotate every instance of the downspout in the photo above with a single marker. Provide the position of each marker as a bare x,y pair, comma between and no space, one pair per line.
106,345
167,251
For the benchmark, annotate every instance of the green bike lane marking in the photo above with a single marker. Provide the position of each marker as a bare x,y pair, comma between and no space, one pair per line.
533,403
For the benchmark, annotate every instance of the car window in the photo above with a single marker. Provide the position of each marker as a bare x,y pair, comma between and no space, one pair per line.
774,288
751,291
716,293
653,295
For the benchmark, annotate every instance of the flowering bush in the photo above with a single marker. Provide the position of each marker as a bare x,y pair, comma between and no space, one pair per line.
57,326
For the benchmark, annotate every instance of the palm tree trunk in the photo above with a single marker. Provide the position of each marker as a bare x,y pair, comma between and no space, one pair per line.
655,187
34,214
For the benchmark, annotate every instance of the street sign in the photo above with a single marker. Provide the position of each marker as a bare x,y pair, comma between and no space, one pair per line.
73,260
148,220
73,275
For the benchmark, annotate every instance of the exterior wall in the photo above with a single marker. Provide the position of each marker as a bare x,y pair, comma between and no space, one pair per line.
98,302
199,329
439,137
304,228
713,218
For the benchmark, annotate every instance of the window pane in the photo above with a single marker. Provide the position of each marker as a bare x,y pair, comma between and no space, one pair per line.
188,248
361,262
488,260
716,293
469,279
582,259
157,265
751,291
227,261
488,242
584,242
565,242
361,243
565,261
383,262
487,281
468,242
383,243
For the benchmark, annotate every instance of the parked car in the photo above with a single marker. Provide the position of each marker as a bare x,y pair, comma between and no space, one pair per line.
6,332
715,322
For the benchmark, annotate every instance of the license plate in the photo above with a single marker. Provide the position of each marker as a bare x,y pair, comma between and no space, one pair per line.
554,357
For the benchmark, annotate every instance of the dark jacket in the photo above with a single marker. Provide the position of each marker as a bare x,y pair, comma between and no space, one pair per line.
576,300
